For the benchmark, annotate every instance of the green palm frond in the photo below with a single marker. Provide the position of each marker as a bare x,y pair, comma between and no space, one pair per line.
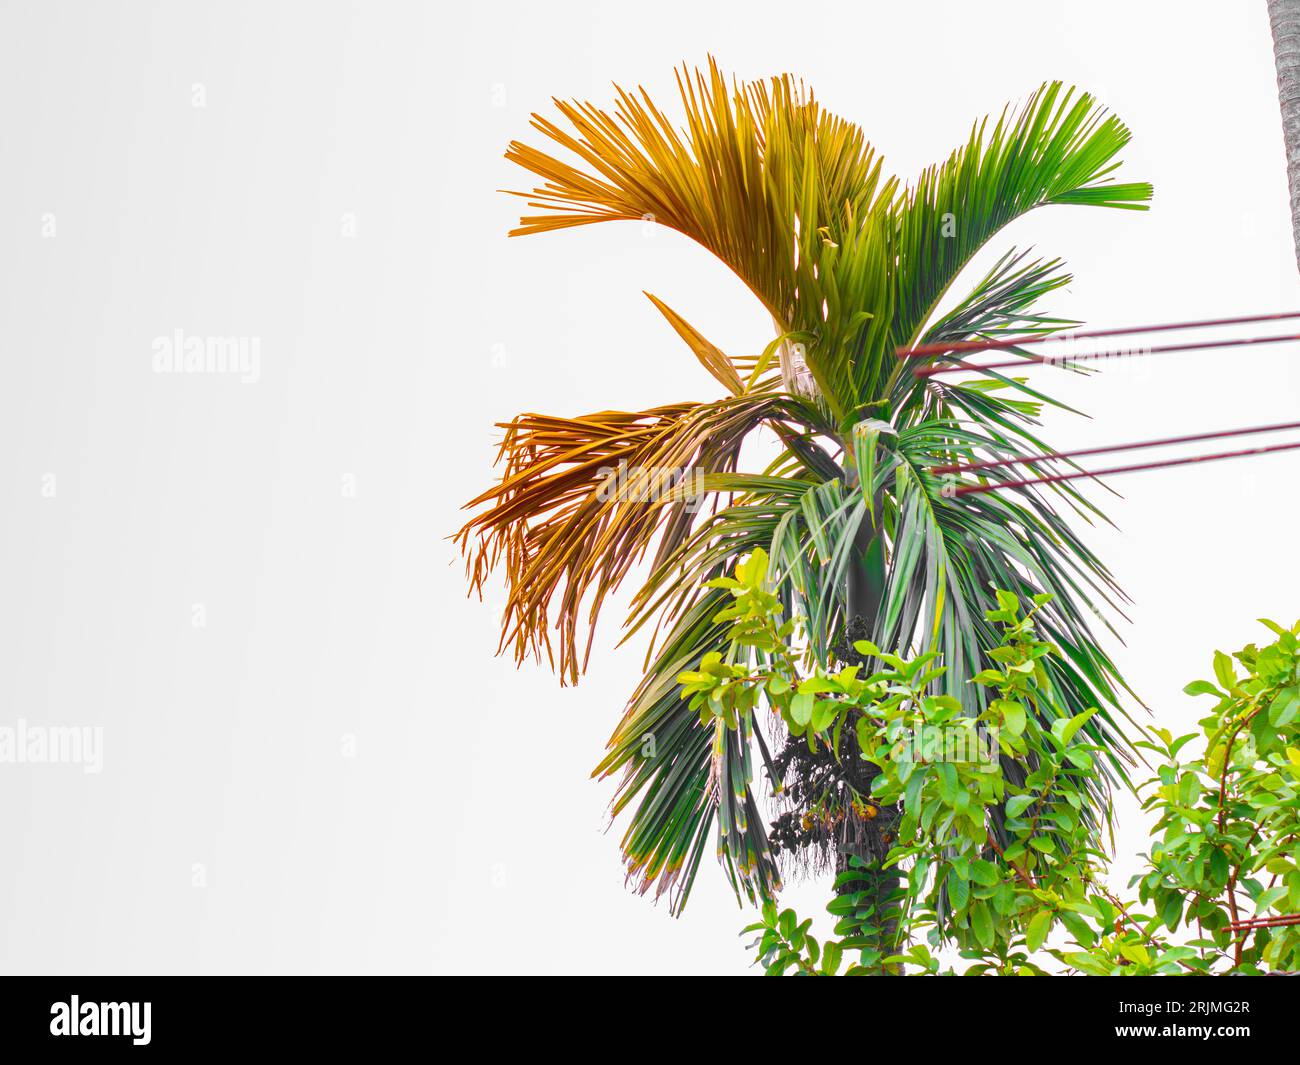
1059,148
685,775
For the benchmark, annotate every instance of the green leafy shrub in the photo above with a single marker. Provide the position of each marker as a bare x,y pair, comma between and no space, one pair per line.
1002,855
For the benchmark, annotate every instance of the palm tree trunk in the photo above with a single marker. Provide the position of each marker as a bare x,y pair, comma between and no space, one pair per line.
1284,19
869,840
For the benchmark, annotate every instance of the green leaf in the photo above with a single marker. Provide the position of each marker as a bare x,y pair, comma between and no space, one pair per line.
947,781
1018,804
1079,928
1013,715
958,891
1172,911
1284,708
778,685
1039,926
1074,724
824,713
1082,759
1201,687
1224,672
1218,867
912,793
982,924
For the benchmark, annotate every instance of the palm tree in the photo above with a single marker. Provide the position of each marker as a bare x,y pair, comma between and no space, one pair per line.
1284,20
851,265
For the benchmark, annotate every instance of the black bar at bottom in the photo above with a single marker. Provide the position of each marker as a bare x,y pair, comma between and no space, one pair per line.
337,1014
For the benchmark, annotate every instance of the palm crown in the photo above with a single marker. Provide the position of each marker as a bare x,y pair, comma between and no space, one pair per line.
851,265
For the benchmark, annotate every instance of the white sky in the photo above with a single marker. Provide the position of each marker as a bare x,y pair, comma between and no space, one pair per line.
465,835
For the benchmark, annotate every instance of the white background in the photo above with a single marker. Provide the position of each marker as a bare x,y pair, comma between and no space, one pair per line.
465,835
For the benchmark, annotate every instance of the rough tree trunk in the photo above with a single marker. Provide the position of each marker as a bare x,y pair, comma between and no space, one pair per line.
1284,19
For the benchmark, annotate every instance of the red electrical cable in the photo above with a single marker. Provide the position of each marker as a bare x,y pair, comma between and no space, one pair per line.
941,347
1166,441
1066,360
976,489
